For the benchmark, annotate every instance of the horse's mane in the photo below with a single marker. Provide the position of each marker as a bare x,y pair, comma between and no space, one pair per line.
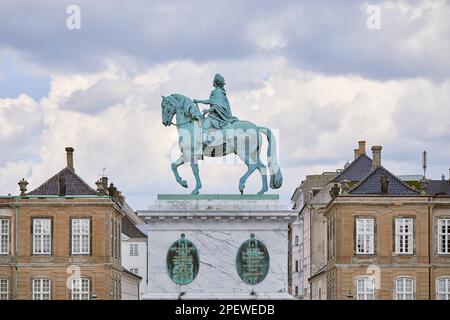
188,106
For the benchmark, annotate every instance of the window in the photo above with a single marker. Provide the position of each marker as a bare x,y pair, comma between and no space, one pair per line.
404,288
134,270
41,289
81,236
296,265
134,249
364,236
80,289
443,236
296,240
365,289
4,289
404,236
443,289
42,236
4,236
296,290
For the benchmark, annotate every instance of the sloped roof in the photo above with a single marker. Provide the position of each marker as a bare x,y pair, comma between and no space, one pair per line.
439,187
130,230
371,185
75,186
356,170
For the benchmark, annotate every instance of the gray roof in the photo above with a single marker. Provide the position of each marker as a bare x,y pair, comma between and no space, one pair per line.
130,230
439,187
371,185
356,170
75,186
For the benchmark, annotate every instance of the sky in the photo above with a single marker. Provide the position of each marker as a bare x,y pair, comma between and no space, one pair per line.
321,74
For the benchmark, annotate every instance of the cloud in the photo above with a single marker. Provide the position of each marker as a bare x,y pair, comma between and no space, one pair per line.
326,37
318,118
101,95
21,124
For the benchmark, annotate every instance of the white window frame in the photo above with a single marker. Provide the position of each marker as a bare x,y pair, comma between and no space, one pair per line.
81,288
39,239
5,230
134,270
38,292
400,292
81,236
367,290
404,240
445,249
4,289
443,295
134,249
365,236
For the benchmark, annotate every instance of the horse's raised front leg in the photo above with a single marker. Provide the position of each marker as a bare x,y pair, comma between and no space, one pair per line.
243,179
198,182
175,166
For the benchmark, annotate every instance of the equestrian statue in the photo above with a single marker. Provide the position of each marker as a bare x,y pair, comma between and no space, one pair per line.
216,133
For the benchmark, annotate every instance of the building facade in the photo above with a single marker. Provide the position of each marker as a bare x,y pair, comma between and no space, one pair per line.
135,252
387,240
62,240
310,198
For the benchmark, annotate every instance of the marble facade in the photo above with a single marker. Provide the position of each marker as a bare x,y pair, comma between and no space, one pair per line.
217,225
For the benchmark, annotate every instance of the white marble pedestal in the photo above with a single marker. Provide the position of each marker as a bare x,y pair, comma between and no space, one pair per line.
217,225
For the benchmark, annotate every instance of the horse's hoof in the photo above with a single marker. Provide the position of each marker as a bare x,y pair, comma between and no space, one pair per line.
260,193
184,183
195,191
242,192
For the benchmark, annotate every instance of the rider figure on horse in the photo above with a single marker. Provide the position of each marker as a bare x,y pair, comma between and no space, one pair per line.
219,114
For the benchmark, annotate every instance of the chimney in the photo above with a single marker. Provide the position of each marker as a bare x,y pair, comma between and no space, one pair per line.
376,156
69,153
362,148
356,153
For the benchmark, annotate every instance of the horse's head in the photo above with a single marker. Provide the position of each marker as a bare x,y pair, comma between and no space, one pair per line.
168,111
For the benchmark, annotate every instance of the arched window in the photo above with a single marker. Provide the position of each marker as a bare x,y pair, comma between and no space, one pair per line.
443,288
41,289
404,288
81,289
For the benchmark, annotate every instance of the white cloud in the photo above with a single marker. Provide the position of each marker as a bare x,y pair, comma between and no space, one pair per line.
319,119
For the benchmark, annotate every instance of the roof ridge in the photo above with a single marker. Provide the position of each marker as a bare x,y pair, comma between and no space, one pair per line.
69,171
81,179
47,181
350,165
363,179
388,172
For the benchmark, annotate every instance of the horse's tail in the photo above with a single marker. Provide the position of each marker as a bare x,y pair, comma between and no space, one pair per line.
276,178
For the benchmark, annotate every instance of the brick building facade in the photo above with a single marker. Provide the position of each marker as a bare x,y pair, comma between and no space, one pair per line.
62,240
387,240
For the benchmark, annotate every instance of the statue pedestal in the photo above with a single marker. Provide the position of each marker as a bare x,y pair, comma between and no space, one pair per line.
216,228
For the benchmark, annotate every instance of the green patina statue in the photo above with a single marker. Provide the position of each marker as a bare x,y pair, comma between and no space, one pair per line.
219,115
216,133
